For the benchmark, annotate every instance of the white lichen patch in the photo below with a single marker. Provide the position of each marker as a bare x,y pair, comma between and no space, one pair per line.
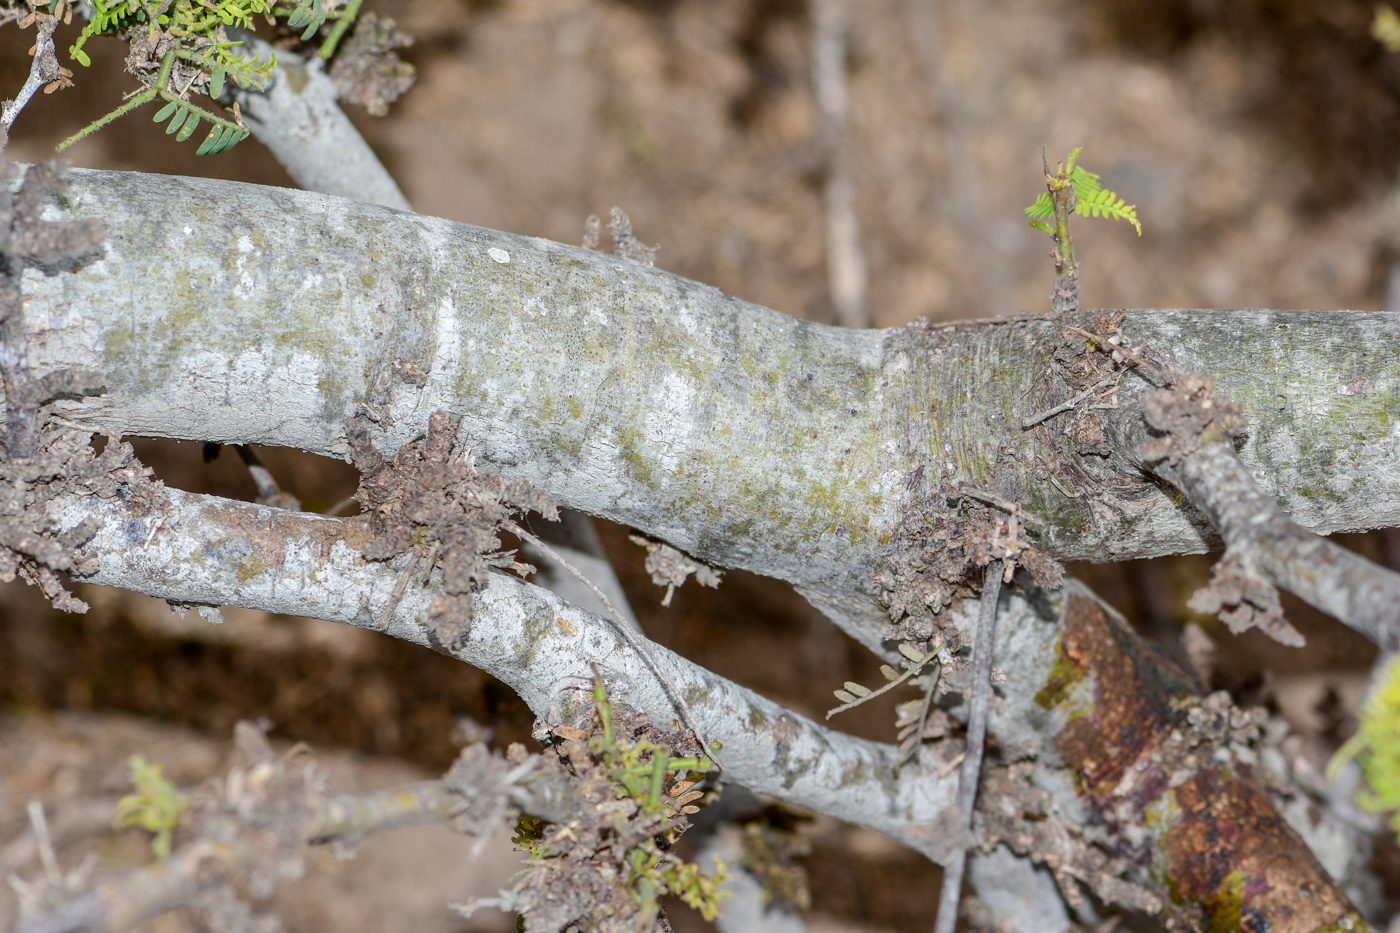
670,423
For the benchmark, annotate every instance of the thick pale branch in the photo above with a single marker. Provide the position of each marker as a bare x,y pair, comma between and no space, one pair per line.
233,313
206,550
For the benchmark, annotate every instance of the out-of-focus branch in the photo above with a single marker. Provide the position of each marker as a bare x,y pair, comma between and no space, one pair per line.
254,830
845,260
299,119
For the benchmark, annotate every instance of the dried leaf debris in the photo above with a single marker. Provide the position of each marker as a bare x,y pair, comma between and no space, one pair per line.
43,458
367,71
625,244
26,238
1189,415
436,505
604,868
66,464
670,568
940,543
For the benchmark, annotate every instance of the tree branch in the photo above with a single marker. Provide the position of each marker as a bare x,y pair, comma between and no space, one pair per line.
298,117
194,549
746,438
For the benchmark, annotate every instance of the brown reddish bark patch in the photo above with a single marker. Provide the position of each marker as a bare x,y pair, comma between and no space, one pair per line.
1230,859
1230,851
1133,694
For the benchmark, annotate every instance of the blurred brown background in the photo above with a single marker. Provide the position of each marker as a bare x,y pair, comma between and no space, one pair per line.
1260,140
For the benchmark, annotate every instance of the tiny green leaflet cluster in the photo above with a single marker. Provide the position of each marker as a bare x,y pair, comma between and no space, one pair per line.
155,807
1091,199
1376,747
182,46
638,770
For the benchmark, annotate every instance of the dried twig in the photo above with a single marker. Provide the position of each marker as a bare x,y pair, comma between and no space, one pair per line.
43,71
971,770
1066,405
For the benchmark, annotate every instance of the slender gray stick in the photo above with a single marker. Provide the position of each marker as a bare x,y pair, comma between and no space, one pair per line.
845,261
971,770
43,59
1341,583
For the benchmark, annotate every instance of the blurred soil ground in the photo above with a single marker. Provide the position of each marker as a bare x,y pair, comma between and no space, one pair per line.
1260,140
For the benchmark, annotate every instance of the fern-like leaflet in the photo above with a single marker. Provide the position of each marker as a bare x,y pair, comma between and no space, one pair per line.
190,36
911,717
184,116
1091,200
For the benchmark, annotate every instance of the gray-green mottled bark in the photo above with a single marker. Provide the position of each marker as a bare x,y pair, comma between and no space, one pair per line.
194,549
233,313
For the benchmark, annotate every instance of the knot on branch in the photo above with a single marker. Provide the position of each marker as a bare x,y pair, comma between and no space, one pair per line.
1244,600
1189,416
440,508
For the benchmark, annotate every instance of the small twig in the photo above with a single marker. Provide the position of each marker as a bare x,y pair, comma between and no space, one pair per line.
44,841
1054,481
1066,405
43,49
629,635
400,587
341,506
918,661
269,493
1014,509
1362,595
971,771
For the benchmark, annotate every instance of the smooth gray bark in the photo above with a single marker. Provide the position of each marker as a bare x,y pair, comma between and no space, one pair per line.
241,314
298,117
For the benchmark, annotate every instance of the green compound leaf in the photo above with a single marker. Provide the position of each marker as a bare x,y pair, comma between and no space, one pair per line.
179,120
1091,200
194,33
1376,747
155,807
191,124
